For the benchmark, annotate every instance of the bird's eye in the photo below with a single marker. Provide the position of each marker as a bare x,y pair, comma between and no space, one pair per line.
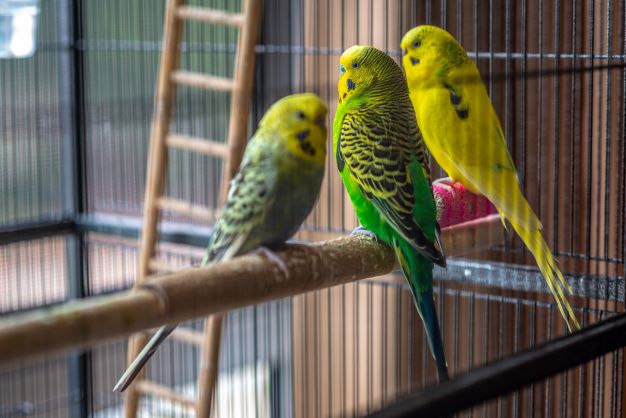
301,116
416,44
342,68
355,65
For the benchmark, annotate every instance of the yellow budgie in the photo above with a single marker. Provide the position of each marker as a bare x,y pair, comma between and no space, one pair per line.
463,133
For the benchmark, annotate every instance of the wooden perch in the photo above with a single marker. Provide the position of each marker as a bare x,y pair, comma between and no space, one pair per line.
198,292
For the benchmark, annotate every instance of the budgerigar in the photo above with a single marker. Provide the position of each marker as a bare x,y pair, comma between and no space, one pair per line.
463,133
274,190
383,166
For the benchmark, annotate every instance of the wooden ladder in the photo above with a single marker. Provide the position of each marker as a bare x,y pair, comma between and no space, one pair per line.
176,13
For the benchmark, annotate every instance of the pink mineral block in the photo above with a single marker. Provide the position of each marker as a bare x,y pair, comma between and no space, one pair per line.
456,204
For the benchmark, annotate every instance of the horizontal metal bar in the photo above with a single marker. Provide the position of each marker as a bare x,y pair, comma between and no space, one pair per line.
130,227
529,279
512,373
153,46
34,230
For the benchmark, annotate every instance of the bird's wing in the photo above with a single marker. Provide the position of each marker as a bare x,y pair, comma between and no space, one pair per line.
251,193
472,137
464,111
378,162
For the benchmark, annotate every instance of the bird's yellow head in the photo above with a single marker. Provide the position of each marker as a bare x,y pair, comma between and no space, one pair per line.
427,50
364,68
300,121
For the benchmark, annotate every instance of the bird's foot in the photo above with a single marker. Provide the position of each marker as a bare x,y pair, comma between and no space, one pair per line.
274,258
360,230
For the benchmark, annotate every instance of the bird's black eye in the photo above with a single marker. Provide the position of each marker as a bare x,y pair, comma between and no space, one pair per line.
416,44
355,65
301,116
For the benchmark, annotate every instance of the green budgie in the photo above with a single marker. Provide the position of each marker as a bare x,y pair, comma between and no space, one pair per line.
274,191
383,165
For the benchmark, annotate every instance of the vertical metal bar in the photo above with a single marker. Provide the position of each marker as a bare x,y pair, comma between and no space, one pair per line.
329,327
622,192
72,84
331,205
581,382
516,346
556,130
341,186
575,135
485,335
491,48
590,92
344,351
607,133
549,381
540,110
317,383
456,343
470,322
384,338
533,338
79,365
370,345
522,169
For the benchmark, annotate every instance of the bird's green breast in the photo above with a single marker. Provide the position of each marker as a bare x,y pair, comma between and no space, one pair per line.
369,217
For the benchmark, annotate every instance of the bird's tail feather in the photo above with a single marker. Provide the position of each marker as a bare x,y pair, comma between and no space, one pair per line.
512,205
425,304
547,264
142,358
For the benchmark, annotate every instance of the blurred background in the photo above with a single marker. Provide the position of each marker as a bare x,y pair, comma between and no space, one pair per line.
75,112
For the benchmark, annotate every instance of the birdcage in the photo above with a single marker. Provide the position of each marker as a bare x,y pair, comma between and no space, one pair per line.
76,123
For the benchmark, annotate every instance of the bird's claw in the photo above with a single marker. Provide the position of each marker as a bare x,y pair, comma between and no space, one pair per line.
359,230
274,258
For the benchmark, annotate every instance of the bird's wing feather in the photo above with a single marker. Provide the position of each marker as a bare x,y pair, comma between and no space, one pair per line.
378,160
251,193
478,148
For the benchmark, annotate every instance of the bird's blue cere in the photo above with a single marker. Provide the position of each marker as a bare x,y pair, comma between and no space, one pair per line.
342,68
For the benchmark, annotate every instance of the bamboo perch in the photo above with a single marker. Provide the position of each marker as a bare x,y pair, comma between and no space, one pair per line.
198,292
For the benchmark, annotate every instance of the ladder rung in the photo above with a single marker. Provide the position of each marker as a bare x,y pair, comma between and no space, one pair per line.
162,266
188,335
185,208
204,146
154,389
218,17
209,82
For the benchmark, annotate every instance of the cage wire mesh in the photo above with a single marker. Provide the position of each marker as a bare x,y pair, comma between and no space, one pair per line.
555,72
